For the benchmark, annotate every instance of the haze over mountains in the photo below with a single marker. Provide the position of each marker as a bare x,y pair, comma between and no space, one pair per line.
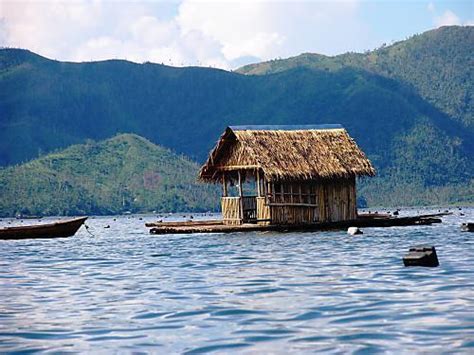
409,106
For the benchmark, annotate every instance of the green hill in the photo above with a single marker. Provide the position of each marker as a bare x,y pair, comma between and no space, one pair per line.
124,173
421,149
437,63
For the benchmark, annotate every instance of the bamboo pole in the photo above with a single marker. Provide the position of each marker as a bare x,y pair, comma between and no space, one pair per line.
224,186
258,183
272,189
241,195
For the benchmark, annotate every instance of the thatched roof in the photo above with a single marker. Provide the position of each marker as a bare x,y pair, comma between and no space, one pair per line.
287,153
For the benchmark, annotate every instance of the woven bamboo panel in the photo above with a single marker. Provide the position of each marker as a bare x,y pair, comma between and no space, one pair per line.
263,211
327,201
231,210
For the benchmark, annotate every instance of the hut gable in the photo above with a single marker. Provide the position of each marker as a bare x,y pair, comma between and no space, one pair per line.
288,153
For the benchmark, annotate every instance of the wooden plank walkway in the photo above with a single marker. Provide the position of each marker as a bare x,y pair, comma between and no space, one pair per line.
217,226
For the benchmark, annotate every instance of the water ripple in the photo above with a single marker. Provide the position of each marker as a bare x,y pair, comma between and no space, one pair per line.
126,291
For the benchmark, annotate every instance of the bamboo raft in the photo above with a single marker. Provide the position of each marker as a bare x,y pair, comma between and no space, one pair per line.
363,220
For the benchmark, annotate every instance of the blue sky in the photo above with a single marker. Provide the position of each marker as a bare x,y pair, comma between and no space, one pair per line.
224,34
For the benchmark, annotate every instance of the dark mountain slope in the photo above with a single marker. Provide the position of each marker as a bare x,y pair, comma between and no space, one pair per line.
438,64
49,104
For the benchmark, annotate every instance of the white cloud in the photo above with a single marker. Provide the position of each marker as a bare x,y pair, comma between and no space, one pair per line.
266,29
194,33
448,18
243,28
431,7
150,30
48,28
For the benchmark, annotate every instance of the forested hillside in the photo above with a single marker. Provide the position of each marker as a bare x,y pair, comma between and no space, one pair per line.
124,173
438,64
417,142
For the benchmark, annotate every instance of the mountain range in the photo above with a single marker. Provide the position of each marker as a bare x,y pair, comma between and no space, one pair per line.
408,105
437,64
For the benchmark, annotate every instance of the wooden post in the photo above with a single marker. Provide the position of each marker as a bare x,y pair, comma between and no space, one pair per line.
266,190
240,184
264,187
224,186
241,202
258,184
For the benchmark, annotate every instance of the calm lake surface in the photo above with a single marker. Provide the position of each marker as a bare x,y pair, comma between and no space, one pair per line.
125,290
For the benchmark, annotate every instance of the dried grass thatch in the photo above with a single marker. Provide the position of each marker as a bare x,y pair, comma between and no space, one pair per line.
287,153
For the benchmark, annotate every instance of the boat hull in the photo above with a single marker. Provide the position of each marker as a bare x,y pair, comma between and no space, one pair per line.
61,229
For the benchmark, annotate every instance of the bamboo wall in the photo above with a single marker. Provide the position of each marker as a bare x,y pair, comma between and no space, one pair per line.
238,210
263,211
321,201
294,203
231,210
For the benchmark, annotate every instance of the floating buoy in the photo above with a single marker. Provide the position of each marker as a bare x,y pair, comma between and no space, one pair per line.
421,256
354,231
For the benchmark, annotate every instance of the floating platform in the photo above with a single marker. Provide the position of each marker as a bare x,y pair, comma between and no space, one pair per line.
363,221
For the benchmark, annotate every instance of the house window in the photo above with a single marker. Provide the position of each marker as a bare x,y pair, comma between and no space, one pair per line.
303,193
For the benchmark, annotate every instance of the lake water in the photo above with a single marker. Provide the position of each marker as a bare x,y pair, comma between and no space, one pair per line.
125,290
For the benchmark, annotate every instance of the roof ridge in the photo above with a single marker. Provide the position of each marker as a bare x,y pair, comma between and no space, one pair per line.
302,127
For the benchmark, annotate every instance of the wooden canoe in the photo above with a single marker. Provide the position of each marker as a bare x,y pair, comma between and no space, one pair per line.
61,229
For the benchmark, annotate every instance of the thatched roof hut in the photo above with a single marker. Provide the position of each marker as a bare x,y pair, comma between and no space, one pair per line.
287,153
303,174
